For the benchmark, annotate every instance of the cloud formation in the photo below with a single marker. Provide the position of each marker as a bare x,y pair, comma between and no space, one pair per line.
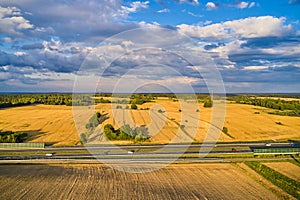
242,4
49,47
12,22
211,6
252,27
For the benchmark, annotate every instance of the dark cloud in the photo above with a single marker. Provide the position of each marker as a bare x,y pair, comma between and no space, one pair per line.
73,20
32,46
270,42
152,60
213,46
49,60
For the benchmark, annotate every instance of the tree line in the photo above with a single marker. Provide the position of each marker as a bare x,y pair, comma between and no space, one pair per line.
283,107
12,137
13,100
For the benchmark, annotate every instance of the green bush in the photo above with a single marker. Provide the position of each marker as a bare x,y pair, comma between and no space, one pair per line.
134,106
137,134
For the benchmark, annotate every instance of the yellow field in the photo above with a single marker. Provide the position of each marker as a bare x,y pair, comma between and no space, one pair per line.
55,124
286,168
244,123
45,123
96,181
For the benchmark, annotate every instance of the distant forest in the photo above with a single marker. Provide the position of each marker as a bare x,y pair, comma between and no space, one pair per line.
13,100
273,101
282,107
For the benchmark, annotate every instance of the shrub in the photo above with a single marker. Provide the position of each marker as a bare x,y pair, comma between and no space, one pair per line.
134,106
225,130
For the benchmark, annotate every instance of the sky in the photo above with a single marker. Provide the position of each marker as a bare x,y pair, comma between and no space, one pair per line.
151,46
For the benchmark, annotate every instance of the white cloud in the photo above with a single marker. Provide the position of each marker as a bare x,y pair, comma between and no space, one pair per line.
11,23
194,15
255,68
211,6
19,53
264,26
252,4
166,10
134,7
9,11
252,27
194,2
242,5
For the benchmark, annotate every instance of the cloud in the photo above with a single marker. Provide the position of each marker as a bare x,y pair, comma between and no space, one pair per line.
11,21
194,2
134,7
238,4
69,20
47,48
242,4
165,10
255,67
252,27
194,15
32,46
212,6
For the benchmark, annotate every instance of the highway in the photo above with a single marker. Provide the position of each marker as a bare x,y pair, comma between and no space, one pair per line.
138,152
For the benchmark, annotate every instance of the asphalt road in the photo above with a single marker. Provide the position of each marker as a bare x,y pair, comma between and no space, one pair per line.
170,151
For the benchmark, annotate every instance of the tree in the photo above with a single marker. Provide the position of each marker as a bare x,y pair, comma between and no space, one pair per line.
225,130
133,106
208,103
83,138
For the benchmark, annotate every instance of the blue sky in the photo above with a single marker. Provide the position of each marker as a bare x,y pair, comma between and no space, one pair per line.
255,45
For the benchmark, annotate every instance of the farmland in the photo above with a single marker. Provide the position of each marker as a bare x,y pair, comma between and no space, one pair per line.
286,168
55,124
96,181
44,123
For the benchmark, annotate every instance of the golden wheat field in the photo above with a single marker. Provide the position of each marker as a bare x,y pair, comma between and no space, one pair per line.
55,124
286,168
45,123
96,181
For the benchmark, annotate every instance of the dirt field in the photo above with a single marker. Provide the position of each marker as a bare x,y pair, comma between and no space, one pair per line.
55,124
95,181
286,168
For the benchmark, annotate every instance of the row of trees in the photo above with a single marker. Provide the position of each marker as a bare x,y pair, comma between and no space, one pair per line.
137,134
12,137
282,107
95,120
277,104
12,100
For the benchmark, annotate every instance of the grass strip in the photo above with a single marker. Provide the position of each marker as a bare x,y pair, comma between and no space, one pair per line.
287,184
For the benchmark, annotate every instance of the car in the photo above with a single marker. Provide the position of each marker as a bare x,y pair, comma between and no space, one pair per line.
130,152
268,144
233,150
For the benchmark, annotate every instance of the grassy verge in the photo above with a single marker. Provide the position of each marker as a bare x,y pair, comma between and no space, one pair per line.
287,184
